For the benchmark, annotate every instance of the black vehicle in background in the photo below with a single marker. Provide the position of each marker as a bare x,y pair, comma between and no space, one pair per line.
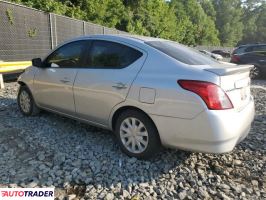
254,54
249,48
223,53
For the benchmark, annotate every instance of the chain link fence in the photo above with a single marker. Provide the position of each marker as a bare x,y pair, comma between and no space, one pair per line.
26,33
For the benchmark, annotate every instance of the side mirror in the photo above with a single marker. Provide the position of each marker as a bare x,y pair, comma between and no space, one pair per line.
37,62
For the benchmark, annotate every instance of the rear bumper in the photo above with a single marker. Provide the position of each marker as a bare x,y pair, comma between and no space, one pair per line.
211,131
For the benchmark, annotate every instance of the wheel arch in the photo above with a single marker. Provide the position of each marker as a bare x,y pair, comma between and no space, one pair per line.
124,108
21,83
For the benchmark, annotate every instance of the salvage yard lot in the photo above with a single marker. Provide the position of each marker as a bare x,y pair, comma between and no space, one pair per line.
84,162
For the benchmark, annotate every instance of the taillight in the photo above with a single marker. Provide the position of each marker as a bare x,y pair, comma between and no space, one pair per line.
235,58
214,97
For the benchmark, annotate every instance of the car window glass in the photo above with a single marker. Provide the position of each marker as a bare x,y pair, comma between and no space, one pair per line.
105,54
260,54
240,50
249,49
68,55
260,48
182,53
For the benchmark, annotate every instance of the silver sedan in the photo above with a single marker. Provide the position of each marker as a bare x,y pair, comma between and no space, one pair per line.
151,92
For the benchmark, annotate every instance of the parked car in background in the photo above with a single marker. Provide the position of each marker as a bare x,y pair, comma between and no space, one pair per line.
251,54
223,53
249,48
149,91
213,55
256,58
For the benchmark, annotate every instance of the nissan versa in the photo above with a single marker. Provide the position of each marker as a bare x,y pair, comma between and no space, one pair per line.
149,91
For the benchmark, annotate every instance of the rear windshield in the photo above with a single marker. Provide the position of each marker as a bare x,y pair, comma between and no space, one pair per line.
182,53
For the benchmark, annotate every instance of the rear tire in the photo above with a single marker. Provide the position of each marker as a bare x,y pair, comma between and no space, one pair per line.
137,135
26,102
255,73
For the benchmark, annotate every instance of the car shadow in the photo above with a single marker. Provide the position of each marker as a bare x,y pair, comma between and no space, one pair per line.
51,150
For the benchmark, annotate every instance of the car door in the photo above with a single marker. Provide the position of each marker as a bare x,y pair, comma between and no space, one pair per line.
106,80
261,55
53,83
256,57
262,59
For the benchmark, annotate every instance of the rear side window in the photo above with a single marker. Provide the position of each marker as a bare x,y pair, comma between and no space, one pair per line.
249,49
105,54
182,53
259,48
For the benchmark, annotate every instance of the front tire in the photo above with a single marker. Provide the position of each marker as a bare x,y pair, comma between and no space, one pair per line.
137,135
26,102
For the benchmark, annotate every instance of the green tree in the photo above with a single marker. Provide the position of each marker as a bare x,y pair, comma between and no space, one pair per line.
184,27
261,24
229,21
187,21
105,12
197,26
150,17
54,7
254,21
208,8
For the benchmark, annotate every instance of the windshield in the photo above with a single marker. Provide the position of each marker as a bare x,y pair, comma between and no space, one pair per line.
182,53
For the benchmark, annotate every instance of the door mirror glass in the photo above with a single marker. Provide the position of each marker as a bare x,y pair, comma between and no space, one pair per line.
37,62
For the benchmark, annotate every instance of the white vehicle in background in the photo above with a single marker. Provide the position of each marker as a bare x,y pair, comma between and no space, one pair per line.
149,91
213,55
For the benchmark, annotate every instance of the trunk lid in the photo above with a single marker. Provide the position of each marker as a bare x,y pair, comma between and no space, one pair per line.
235,81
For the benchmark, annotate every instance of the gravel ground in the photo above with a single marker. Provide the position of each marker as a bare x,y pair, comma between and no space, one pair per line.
84,162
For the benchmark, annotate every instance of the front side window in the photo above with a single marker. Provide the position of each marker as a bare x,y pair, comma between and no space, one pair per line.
105,54
67,56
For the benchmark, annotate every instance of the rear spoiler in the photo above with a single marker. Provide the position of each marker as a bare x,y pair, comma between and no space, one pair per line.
228,70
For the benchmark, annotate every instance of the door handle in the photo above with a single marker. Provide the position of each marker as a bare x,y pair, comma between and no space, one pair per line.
64,81
120,86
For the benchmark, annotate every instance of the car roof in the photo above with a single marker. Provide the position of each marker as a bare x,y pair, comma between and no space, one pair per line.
135,38
126,38
250,45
